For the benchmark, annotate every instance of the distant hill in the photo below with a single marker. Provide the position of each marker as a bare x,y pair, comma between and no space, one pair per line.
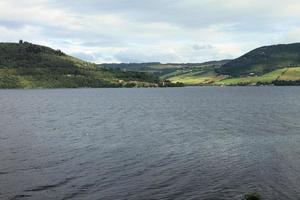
162,70
277,65
263,60
26,65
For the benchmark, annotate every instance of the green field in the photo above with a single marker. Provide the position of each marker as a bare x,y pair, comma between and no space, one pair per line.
197,78
212,78
267,78
292,74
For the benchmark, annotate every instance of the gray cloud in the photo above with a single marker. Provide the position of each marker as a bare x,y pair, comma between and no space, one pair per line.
201,47
151,30
249,14
11,24
133,56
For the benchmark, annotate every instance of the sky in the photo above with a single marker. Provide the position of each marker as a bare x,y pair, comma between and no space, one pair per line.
167,31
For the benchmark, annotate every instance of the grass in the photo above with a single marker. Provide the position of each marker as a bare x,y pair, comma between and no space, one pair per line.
291,74
56,78
264,59
197,78
212,78
26,65
266,78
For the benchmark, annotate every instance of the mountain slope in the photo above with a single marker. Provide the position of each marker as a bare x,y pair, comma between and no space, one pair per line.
277,64
164,70
25,65
263,60
200,74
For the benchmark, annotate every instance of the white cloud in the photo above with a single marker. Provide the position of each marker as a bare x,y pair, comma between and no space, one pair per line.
151,30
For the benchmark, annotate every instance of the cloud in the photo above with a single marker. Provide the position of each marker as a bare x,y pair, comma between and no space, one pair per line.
201,47
151,30
135,56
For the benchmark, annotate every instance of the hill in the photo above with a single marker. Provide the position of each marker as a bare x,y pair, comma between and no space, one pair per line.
163,70
277,65
263,60
200,74
26,65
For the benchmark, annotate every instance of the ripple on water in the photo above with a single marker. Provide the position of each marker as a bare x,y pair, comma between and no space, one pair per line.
176,143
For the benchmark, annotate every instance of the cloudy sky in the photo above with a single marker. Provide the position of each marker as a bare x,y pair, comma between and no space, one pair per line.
151,30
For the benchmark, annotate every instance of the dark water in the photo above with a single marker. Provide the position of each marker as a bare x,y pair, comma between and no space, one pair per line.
140,144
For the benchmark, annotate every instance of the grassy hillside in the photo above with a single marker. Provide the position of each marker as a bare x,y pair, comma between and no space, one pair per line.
264,60
164,70
283,76
267,78
291,74
25,65
277,64
197,78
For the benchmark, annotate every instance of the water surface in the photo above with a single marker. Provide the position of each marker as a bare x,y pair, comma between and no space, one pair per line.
206,143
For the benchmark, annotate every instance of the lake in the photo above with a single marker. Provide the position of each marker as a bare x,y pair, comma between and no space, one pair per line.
207,143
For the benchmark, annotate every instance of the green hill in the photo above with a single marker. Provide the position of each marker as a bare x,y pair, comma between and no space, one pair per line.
277,64
200,74
163,70
25,65
264,60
